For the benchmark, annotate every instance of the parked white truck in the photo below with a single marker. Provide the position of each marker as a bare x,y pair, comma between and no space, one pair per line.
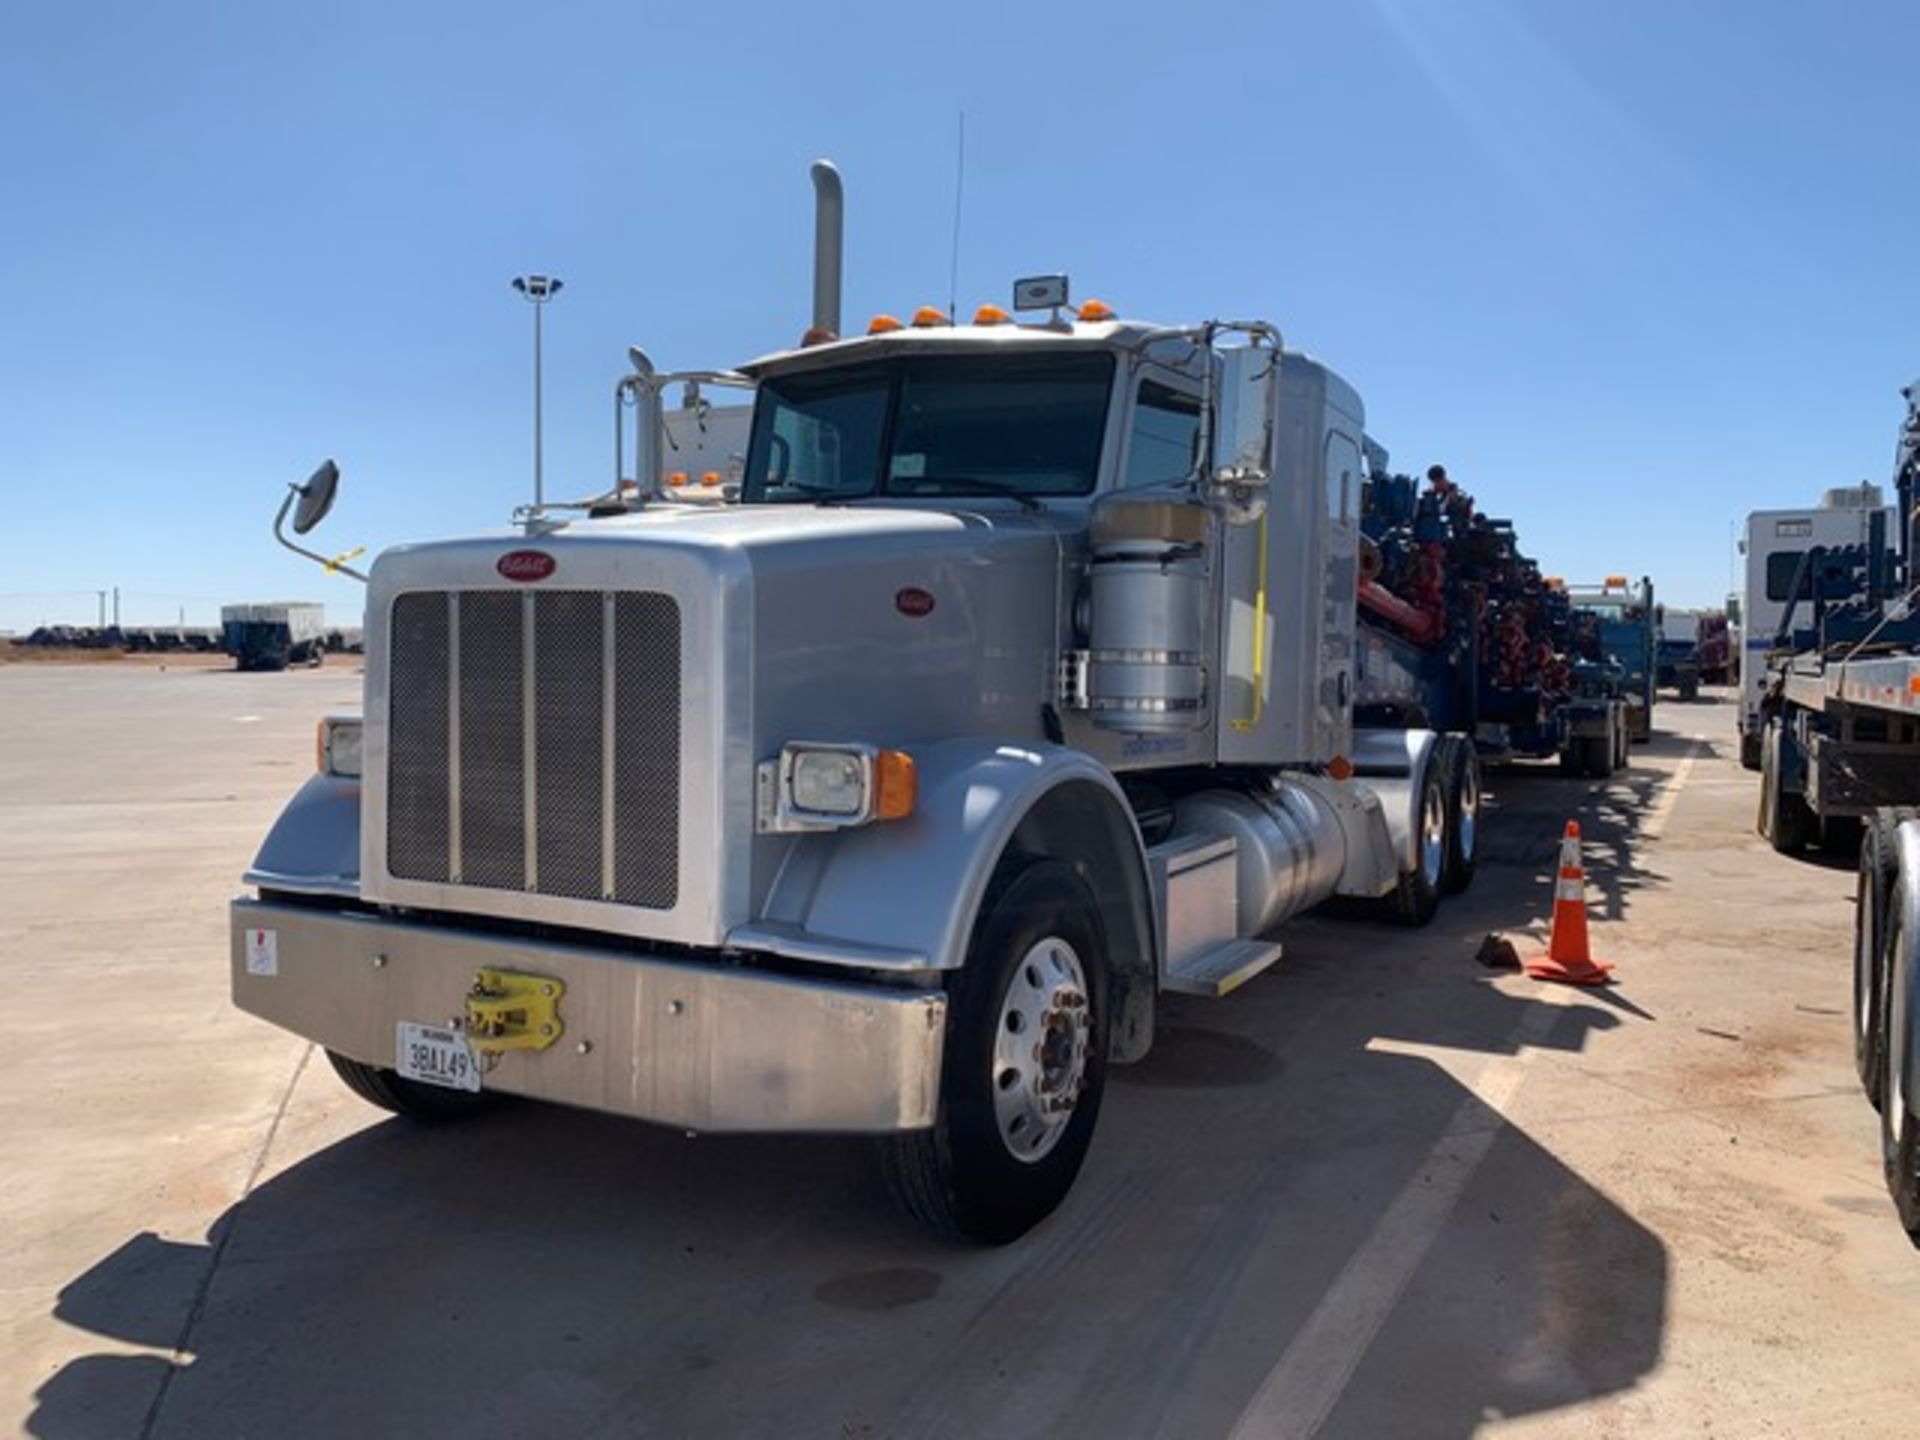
1774,546
1010,690
1839,724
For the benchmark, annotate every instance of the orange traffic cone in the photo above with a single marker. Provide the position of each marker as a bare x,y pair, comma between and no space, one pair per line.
1568,959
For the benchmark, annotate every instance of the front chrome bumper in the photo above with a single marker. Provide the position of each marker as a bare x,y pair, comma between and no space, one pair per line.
704,1047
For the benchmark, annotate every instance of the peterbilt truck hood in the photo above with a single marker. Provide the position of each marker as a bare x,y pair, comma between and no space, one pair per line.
566,726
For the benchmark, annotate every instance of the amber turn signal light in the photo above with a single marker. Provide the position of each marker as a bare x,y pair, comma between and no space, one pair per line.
895,785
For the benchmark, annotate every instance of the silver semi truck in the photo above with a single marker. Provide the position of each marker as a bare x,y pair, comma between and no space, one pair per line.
1010,688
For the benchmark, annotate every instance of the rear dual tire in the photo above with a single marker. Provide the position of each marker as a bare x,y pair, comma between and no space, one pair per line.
1463,815
1446,832
1594,756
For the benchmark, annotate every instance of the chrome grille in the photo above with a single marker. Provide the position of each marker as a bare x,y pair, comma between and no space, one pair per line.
534,743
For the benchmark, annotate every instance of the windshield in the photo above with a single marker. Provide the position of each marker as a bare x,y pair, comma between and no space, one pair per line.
932,425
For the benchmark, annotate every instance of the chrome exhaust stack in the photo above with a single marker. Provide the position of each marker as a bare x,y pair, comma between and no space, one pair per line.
829,215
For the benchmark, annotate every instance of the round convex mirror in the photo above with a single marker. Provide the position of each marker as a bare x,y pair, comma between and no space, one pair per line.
316,497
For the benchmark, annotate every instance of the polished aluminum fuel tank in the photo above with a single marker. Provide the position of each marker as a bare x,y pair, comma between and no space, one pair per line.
1148,627
1292,848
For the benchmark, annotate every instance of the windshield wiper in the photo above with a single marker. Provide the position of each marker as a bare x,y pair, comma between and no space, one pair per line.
991,487
819,494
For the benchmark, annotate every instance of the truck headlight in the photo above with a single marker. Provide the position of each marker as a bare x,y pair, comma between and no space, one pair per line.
828,782
819,785
337,746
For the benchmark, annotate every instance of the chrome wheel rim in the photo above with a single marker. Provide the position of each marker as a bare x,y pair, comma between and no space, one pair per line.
1433,835
1040,1049
1863,957
1894,1107
1469,820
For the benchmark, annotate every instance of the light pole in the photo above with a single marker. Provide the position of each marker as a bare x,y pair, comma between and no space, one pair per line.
538,289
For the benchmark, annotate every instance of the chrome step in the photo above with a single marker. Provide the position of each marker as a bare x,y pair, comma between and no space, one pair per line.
1217,972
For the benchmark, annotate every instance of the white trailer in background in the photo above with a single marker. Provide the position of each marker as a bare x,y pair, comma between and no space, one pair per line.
704,450
274,636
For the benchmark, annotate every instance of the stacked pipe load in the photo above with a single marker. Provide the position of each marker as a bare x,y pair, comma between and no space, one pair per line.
1439,573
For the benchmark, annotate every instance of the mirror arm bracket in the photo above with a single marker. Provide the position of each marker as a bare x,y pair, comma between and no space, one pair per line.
326,562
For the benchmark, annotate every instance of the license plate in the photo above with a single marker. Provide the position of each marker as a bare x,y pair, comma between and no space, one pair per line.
434,1055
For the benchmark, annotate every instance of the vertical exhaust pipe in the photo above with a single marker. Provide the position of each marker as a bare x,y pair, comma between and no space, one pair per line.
828,225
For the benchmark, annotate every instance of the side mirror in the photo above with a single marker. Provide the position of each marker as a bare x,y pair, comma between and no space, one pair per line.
1246,410
313,500
316,497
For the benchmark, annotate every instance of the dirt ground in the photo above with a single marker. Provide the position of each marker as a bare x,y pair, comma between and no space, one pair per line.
14,653
1380,1192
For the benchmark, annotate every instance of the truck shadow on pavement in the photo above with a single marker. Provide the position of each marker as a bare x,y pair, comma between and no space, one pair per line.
1315,1209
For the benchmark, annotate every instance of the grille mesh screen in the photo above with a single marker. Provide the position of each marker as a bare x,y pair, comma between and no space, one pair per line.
569,697
493,823
487,721
646,779
417,739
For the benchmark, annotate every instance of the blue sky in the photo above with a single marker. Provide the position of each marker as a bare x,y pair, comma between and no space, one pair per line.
1630,270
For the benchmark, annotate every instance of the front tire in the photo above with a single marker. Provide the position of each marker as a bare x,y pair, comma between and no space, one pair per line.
1784,818
1024,1068
1899,1130
428,1104
1879,865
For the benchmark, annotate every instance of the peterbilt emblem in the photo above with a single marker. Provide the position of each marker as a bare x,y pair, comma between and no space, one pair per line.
913,601
524,566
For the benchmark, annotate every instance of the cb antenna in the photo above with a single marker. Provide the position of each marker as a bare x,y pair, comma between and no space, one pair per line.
959,198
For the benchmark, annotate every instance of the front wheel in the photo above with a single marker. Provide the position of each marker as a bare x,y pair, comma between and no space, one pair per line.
1784,817
1879,864
1899,1130
1025,1064
392,1091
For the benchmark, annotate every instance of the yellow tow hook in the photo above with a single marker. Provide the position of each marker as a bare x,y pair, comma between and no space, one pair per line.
510,1011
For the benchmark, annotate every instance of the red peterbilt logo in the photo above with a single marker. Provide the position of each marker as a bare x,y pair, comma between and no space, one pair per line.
525,566
913,601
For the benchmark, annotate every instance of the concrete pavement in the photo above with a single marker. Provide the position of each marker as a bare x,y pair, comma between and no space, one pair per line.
1379,1192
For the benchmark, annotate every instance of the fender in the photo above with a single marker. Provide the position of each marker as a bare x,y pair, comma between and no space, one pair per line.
1393,763
904,893
314,847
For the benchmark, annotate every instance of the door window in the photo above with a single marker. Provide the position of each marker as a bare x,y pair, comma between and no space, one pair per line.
1165,437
